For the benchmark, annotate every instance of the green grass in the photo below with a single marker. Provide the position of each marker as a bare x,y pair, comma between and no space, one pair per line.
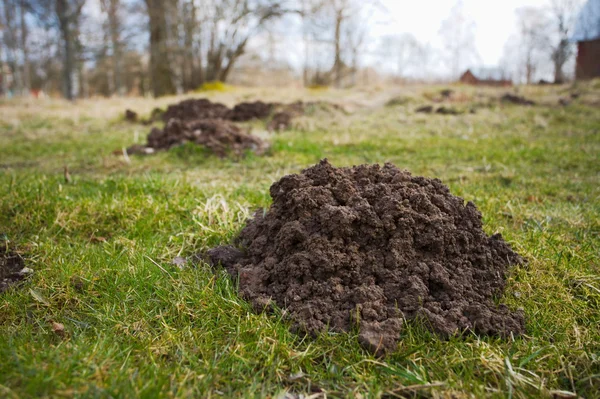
138,326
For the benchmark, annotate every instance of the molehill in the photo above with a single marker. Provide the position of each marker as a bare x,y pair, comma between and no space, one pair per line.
371,247
12,268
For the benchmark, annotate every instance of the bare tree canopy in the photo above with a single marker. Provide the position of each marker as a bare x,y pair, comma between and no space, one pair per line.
83,48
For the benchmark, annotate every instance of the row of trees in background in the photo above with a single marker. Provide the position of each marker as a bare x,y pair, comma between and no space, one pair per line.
119,47
543,43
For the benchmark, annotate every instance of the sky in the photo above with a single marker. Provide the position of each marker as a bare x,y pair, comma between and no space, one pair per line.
495,22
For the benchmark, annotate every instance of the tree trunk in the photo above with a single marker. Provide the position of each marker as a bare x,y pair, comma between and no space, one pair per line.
337,65
189,64
64,19
114,29
25,50
10,39
161,76
560,56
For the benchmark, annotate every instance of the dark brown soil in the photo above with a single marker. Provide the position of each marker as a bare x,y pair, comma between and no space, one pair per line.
371,246
12,268
131,116
244,112
194,109
220,137
514,99
426,109
446,93
280,121
447,111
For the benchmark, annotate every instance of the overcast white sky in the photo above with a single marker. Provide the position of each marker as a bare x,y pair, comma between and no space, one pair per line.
495,21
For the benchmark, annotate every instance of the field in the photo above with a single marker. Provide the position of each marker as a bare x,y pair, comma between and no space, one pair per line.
101,242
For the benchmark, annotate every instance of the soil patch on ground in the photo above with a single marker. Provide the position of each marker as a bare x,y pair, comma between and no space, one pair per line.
248,111
220,137
211,124
193,109
425,109
370,247
12,268
514,99
428,109
280,121
131,116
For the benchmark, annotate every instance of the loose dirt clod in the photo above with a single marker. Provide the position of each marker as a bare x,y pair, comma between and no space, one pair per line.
426,109
280,121
514,99
372,246
131,116
218,136
244,112
447,111
12,268
446,93
193,109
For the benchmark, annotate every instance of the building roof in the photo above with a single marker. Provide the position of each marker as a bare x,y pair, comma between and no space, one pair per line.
489,73
588,22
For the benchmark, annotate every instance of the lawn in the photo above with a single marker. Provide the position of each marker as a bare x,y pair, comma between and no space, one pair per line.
135,325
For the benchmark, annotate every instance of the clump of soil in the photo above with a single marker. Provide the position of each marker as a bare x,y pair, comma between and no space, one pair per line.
280,121
12,268
218,136
514,99
371,246
425,109
447,111
131,116
193,109
446,93
428,109
244,112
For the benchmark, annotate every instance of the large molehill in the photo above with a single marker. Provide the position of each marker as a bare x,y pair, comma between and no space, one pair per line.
372,246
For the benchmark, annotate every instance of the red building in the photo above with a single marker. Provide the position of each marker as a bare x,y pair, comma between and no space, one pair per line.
587,36
488,77
588,59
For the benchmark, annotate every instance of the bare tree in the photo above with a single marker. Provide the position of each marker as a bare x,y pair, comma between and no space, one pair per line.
69,14
458,34
405,53
112,10
563,14
192,59
533,31
24,46
341,26
231,25
161,75
10,36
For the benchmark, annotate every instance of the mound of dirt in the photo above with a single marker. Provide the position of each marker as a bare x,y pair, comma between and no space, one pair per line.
446,93
370,246
428,109
12,268
244,112
193,109
514,99
447,111
218,136
425,109
131,116
281,121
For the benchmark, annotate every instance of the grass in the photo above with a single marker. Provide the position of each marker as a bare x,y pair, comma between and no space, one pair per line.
138,326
